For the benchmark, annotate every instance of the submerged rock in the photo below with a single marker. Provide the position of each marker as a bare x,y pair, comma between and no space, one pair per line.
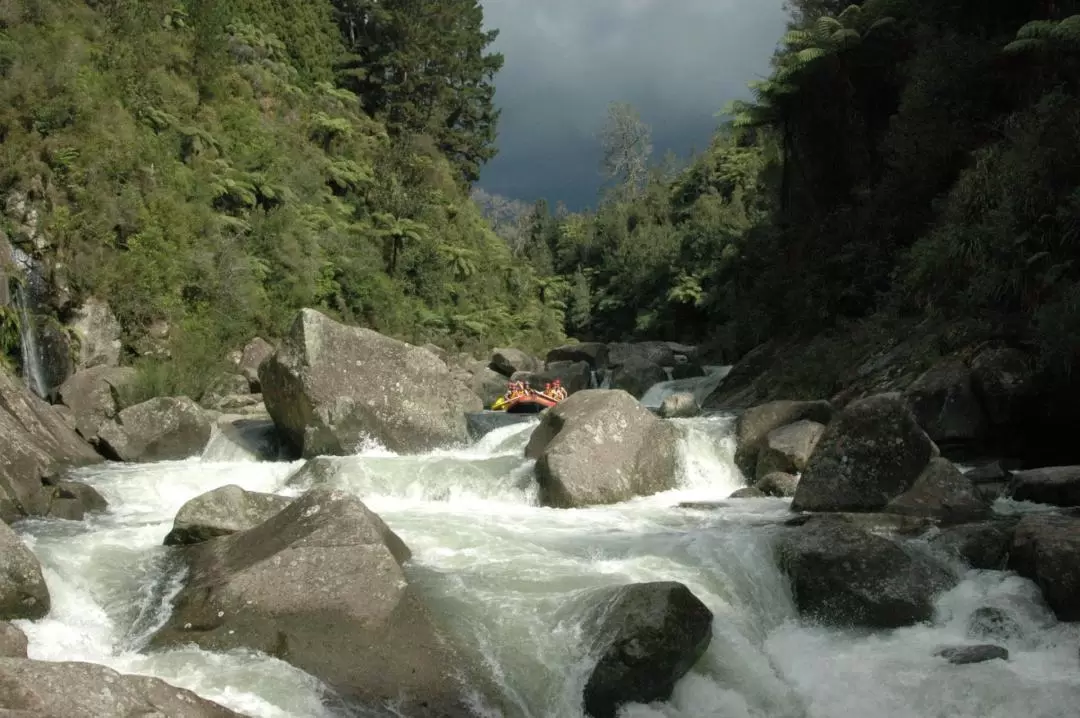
1055,485
601,446
990,622
747,492
870,454
646,636
47,689
481,423
23,592
843,575
321,586
962,655
330,387
221,512
1046,549
754,425
943,492
167,428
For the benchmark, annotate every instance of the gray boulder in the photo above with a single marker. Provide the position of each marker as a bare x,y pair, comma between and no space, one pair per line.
487,384
93,395
594,354
942,492
254,354
753,426
163,429
1046,549
944,403
778,483
221,512
47,689
787,449
23,593
637,375
654,352
508,361
1055,485
601,446
13,641
843,575
872,452
72,500
646,637
321,586
963,655
331,386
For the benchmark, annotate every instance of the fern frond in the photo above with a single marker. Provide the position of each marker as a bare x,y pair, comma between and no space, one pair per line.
1036,29
1025,45
810,54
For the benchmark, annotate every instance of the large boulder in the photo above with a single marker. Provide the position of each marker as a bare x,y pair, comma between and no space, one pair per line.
942,492
508,361
983,544
72,500
48,689
646,637
872,452
34,441
167,428
254,354
1003,378
594,354
13,643
487,384
944,403
754,425
321,586
637,375
1046,549
843,575
788,448
330,387
93,395
601,446
654,352
1056,485
221,512
99,334
23,593
778,483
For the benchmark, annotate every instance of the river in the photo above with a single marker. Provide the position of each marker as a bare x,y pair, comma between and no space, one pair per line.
503,574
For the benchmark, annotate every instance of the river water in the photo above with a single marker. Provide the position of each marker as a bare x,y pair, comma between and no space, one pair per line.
504,575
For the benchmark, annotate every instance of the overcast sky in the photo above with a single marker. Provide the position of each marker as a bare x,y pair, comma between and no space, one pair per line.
677,61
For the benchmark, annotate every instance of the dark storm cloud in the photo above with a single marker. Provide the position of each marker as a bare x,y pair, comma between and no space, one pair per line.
677,61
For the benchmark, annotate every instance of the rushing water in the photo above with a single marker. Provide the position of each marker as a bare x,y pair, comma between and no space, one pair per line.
506,576
32,365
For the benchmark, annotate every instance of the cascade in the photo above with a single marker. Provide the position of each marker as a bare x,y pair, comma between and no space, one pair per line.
32,365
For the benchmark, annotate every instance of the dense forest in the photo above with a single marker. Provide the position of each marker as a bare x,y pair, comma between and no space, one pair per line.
215,164
903,159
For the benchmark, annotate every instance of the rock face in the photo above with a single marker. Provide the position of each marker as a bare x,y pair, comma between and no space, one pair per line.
753,426
601,446
1056,485
943,492
647,637
1046,549
945,404
46,689
788,448
330,386
221,512
320,585
99,334
872,452
13,641
34,438
23,593
93,395
846,576
254,354
677,406
636,375
508,361
162,429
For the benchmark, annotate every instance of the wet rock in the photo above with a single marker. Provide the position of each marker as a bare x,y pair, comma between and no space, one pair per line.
1003,379
72,500
99,333
945,405
989,473
659,353
575,376
647,637
872,452
595,354
163,429
983,545
787,449
47,689
963,655
686,369
943,492
221,512
601,447
1055,485
777,483
988,622
13,641
254,354
508,361
329,387
321,586
637,375
753,426
747,492
488,384
242,437
1046,549
34,440
678,406
843,575
23,593
93,395
481,423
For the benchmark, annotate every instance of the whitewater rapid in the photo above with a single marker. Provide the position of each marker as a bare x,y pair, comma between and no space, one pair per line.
505,577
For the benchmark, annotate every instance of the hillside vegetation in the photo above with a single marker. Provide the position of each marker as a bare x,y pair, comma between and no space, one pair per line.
210,164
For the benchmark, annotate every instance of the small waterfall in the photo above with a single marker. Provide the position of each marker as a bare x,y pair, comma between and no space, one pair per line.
700,386
32,365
